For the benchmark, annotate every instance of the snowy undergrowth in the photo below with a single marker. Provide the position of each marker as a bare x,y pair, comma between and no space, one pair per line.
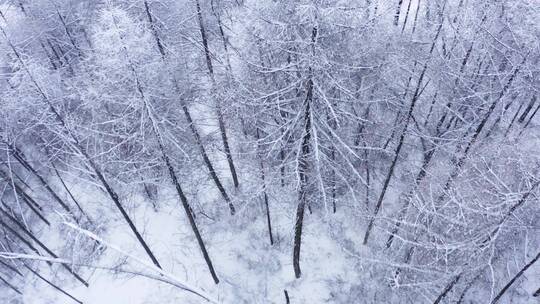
251,271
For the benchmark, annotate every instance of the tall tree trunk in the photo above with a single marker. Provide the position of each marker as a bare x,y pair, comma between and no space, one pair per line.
397,152
53,285
189,119
302,172
527,110
68,33
18,236
398,11
529,121
19,157
265,195
416,16
37,241
467,287
303,164
408,117
478,130
70,194
406,16
166,160
447,289
10,285
186,206
221,122
11,268
517,276
27,199
513,120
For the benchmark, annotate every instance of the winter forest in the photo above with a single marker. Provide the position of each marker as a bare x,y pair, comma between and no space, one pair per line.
269,151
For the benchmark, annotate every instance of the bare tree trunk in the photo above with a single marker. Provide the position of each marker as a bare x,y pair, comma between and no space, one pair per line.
513,120
408,198
303,165
390,173
406,16
416,16
467,287
10,286
498,119
530,119
68,33
398,11
302,168
333,182
287,300
155,128
224,39
37,241
11,268
282,165
527,110
53,285
206,159
28,166
447,289
29,201
478,130
519,274
265,196
187,209
70,194
221,122
18,236
189,119
409,114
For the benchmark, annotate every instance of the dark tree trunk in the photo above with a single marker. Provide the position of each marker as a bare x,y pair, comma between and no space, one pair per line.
513,120
303,164
71,194
477,131
37,241
42,180
390,173
18,236
10,286
467,287
416,16
398,11
530,119
265,195
406,16
447,289
302,168
222,129
53,285
189,214
527,110
189,119
517,276
68,33
11,268
29,201
166,160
